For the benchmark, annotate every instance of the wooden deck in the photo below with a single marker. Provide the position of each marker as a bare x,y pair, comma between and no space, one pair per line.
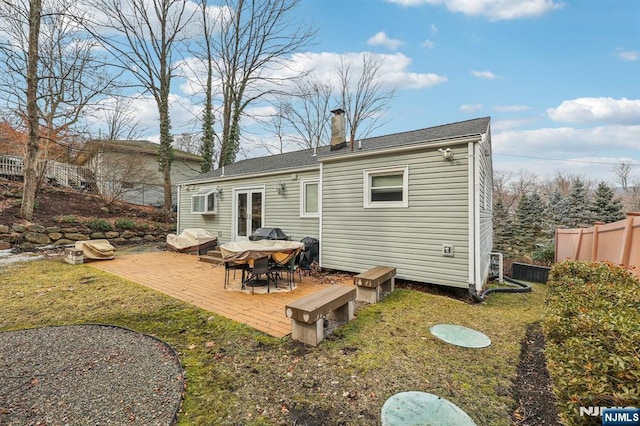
185,278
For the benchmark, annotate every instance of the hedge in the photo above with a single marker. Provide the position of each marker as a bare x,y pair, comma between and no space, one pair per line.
592,327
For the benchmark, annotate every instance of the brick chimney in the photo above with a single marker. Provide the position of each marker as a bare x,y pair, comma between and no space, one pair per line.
338,138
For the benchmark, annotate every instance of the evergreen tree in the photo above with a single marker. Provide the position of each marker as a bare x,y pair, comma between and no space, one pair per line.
579,212
529,222
557,214
502,227
605,208
537,215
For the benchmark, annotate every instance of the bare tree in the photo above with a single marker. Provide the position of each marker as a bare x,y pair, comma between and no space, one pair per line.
363,95
143,36
622,172
30,178
630,187
632,196
56,70
207,147
308,113
501,181
117,174
188,142
252,49
278,125
120,121
72,78
16,16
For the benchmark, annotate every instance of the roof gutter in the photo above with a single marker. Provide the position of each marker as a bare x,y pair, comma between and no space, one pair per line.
432,143
243,175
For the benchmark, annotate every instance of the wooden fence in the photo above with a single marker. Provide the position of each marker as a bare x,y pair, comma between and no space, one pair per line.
617,242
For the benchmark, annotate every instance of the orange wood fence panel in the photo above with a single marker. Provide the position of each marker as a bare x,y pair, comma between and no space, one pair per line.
617,242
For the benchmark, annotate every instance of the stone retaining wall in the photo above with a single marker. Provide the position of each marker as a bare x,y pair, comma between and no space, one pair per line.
30,236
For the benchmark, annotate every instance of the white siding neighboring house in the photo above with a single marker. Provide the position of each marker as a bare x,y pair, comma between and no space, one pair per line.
130,168
419,201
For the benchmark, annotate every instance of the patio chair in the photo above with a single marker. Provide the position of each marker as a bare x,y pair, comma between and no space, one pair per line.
229,266
289,265
260,267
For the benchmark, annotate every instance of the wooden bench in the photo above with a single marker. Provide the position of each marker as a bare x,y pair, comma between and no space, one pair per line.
375,283
308,314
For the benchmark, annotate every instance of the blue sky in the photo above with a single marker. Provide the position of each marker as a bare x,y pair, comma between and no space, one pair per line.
560,79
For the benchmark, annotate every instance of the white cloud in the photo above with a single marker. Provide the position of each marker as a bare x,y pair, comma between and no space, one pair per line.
487,75
510,108
589,110
593,169
492,9
628,55
592,152
381,39
429,44
501,125
470,107
434,29
567,141
394,72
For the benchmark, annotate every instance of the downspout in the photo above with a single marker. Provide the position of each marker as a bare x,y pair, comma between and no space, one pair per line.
477,258
476,285
471,200
179,209
320,208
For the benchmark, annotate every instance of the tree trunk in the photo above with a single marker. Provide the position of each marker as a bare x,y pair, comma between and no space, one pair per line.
165,152
30,175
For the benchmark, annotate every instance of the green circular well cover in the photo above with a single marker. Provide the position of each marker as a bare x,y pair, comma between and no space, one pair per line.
421,409
460,336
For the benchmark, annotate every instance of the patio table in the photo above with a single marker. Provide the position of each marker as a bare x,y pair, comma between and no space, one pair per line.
247,251
239,251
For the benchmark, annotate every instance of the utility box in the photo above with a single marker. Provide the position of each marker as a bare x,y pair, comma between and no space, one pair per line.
73,256
447,250
532,273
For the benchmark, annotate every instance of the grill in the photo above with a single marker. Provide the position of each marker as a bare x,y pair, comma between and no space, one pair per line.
268,234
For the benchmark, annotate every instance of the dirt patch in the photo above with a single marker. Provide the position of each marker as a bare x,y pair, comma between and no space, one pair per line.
532,387
55,203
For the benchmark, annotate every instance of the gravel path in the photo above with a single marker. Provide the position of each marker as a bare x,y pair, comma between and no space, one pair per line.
87,375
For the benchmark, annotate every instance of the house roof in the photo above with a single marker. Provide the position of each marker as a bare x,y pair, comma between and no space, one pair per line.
127,146
308,158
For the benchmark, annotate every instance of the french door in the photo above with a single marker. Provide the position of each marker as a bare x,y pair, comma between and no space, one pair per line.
248,211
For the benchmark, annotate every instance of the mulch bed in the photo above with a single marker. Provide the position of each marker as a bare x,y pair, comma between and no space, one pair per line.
536,404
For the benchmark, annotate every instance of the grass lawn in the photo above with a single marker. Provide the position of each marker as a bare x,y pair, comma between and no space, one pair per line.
237,375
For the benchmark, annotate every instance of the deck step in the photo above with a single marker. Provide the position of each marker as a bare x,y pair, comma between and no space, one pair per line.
212,256
209,259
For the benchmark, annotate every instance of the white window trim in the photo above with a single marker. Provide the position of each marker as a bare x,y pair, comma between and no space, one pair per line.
205,195
303,197
368,173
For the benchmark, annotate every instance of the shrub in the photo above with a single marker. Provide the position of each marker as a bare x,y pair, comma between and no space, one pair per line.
65,219
124,223
545,253
99,225
593,339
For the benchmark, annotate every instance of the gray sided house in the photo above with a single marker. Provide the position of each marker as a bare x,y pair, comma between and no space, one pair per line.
419,201
129,170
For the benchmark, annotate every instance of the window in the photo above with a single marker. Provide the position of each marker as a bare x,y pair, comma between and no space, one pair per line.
310,198
205,201
386,187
